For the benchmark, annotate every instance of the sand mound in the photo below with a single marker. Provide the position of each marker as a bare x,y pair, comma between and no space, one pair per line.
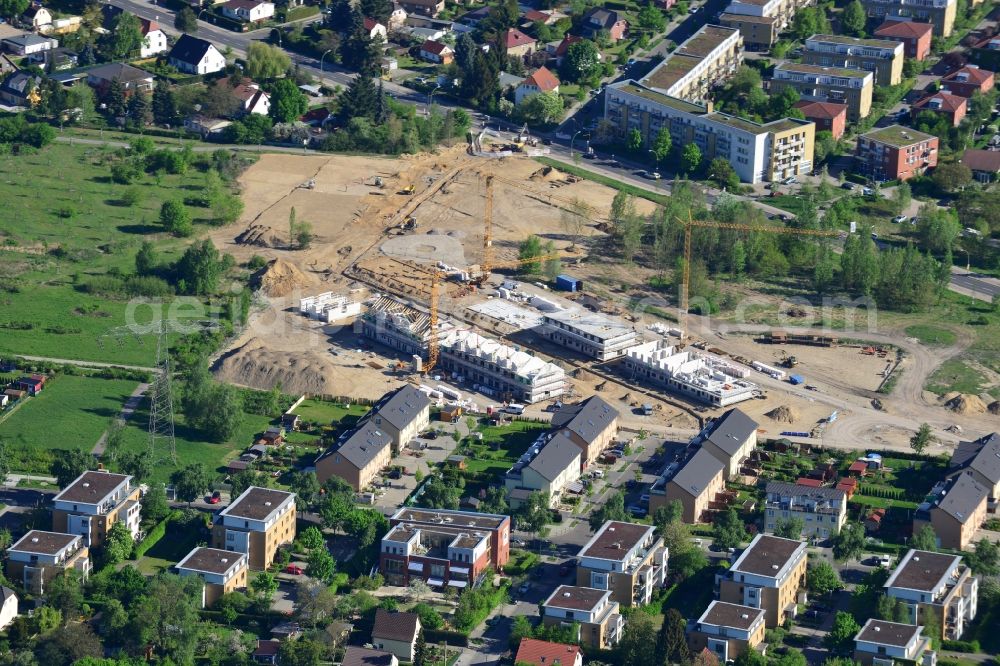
547,174
583,375
259,235
962,403
994,407
281,278
783,414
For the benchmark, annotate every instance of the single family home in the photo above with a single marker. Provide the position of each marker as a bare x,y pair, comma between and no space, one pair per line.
132,79
396,633
250,11
27,44
435,51
37,17
518,43
20,89
599,19
540,81
192,55
375,29
154,40
359,656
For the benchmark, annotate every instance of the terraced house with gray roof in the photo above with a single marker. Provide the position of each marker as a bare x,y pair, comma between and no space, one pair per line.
981,459
591,424
956,510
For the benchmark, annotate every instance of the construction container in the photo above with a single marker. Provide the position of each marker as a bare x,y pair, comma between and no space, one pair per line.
568,283
797,379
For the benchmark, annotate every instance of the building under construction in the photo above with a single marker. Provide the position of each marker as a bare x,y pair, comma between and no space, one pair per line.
695,374
399,326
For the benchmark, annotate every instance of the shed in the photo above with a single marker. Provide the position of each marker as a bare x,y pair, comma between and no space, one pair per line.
809,483
455,461
290,421
451,413
858,468
237,466
568,283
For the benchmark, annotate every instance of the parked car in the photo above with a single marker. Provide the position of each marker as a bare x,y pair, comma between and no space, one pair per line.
214,498
430,435
867,191
791,180
848,186
293,569
899,219
524,588
519,543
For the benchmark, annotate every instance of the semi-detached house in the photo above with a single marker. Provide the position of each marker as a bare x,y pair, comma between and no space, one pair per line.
980,457
956,511
731,438
694,483
549,468
592,424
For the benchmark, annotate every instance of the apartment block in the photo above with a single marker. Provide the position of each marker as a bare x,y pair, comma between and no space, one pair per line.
731,438
597,614
626,559
896,153
956,510
770,574
256,523
980,457
852,87
696,484
93,503
881,643
936,583
591,424
550,467
39,556
760,21
707,58
757,152
443,547
727,630
590,333
699,375
222,572
967,81
823,511
939,13
499,370
916,37
882,57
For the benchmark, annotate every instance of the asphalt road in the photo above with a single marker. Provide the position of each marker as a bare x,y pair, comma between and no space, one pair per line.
975,282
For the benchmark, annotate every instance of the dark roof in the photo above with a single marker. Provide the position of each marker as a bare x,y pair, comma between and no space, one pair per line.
732,430
981,455
922,570
434,46
766,555
545,653
961,497
121,71
559,453
796,490
5,594
601,16
576,598
402,406
267,648
28,39
614,540
359,656
210,560
988,161
256,503
362,445
887,633
587,419
698,472
20,83
190,49
395,626
91,487
44,543
722,614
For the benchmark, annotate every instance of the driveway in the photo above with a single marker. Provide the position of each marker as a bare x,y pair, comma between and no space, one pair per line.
285,597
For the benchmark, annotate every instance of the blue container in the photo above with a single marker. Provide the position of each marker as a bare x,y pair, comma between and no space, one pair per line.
567,283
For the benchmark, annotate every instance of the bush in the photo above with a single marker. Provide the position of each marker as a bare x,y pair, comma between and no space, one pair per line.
970,647
154,535
452,638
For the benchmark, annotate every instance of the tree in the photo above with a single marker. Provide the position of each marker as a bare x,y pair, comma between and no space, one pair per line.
985,561
671,644
266,62
722,172
530,248
419,589
634,140
167,616
581,62
306,487
70,464
533,514
789,528
244,479
311,538
118,545
321,565
662,145
892,609
69,644
924,539
790,657
652,19
263,586
303,652
841,636
154,503
359,100
854,18
637,640
705,658
175,218
164,103
849,542
186,21
750,658
13,8
951,177
430,618
923,438
690,158
671,512
821,578
287,101
465,53
613,509
542,107
65,594
420,648
124,39
728,531
902,196
190,482
198,270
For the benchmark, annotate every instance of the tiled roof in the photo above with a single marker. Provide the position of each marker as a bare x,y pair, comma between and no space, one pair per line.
911,29
542,79
821,110
544,653
946,102
395,626
515,37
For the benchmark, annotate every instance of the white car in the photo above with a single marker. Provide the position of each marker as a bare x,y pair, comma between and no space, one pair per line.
899,219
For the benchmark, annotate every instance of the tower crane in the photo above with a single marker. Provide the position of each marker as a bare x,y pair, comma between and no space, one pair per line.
487,263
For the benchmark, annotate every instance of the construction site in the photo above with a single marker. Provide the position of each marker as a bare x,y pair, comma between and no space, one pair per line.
413,270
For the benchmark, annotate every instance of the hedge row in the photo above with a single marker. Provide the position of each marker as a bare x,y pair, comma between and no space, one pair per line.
970,647
452,638
154,536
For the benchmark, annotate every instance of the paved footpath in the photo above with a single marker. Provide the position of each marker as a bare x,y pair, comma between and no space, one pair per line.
127,410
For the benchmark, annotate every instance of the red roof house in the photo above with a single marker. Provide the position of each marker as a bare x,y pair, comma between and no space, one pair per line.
829,116
434,51
518,43
916,37
965,81
859,468
951,106
809,483
539,81
544,653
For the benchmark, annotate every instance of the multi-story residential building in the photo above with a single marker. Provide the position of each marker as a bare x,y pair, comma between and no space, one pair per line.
916,37
499,370
707,58
731,438
256,523
222,572
93,503
591,424
626,559
896,153
981,457
936,583
882,57
443,547
548,467
760,21
823,511
967,81
956,510
852,87
399,326
597,614
727,630
770,574
757,152
881,643
828,116
952,107
695,484
589,333
939,13
38,557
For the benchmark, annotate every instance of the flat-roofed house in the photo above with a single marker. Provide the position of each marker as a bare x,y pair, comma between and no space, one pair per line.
884,57
256,523
769,574
39,556
936,583
591,333
956,511
591,424
727,630
853,87
881,643
93,503
396,633
222,572
694,483
596,613
627,559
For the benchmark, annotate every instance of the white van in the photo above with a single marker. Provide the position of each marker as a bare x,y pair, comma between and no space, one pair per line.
514,408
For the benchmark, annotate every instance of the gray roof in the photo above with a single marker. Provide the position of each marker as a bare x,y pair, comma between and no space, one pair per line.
359,656
731,430
362,444
28,39
559,453
981,455
118,70
395,625
402,406
698,472
6,593
887,633
795,490
20,83
961,497
587,419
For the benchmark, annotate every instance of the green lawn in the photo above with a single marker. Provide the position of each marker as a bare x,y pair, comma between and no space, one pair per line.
320,411
171,549
503,445
931,335
70,413
955,375
692,595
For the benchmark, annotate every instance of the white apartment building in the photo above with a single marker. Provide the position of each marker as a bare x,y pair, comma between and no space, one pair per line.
329,307
823,511
626,558
590,333
698,375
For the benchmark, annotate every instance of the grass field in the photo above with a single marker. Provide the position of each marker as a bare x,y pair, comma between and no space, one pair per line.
955,375
503,445
319,411
931,335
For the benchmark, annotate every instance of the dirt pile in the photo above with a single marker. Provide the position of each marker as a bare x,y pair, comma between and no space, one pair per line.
994,407
783,414
964,403
259,235
547,174
281,278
